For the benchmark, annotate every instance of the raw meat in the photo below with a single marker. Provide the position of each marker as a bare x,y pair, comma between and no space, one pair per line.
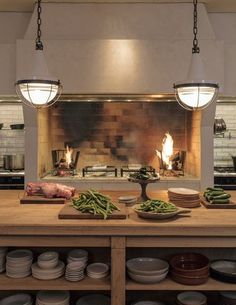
50,190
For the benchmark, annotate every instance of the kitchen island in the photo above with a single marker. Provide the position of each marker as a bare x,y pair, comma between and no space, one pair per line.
38,226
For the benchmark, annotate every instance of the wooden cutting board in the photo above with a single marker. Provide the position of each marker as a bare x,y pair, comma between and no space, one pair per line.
208,205
68,212
41,200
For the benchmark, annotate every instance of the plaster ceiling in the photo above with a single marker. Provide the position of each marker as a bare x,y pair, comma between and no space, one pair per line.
27,5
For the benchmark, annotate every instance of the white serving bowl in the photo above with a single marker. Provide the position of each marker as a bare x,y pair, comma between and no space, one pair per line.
48,256
147,279
191,298
147,266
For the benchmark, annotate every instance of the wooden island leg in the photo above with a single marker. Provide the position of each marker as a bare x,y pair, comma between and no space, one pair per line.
118,274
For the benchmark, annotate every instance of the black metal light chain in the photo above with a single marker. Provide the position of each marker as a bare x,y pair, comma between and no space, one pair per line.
39,44
195,48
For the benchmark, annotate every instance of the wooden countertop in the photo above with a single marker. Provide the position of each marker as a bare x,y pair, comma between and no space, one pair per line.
17,219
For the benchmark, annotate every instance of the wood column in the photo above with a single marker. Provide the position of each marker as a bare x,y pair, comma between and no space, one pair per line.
118,274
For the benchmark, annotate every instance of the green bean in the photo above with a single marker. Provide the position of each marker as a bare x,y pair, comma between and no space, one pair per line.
157,206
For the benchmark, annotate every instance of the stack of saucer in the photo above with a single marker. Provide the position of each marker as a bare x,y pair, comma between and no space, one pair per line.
75,271
185,198
19,263
3,253
77,255
52,298
97,270
128,200
48,267
18,298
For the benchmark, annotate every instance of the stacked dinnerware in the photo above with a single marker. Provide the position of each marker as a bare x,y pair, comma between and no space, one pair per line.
19,299
94,299
75,271
224,270
128,200
148,303
191,298
183,197
3,253
77,255
19,263
227,298
48,266
147,270
97,270
189,268
52,298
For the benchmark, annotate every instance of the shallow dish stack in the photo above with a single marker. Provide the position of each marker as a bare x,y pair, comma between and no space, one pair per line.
97,270
128,200
77,255
19,299
94,299
147,270
224,270
189,268
227,298
75,271
19,263
3,253
191,298
48,266
184,198
52,298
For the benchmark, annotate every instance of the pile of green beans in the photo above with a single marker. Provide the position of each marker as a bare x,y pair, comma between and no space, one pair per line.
157,206
216,195
95,203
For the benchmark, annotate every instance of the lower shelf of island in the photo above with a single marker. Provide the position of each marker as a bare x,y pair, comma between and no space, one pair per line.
31,283
168,284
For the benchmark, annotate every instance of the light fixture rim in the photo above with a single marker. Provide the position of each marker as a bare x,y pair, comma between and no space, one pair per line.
38,81
196,84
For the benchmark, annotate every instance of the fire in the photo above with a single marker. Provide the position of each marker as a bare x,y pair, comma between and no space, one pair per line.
167,150
68,155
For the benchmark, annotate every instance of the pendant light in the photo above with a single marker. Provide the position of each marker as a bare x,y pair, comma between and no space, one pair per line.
196,93
40,89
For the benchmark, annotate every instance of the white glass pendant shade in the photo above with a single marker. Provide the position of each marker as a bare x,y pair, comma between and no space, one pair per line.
39,89
195,93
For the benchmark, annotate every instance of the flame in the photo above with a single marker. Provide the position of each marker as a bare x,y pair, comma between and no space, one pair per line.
167,150
68,155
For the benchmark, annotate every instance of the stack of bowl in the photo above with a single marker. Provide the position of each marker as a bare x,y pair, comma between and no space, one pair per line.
147,270
77,255
97,270
48,266
191,298
18,298
224,270
19,263
227,298
189,268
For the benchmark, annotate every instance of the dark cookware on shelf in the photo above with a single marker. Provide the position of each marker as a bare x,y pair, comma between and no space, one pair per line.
224,270
1,125
219,126
17,126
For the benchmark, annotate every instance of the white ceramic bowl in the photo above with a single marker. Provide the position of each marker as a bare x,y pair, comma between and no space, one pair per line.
147,279
147,266
191,298
48,256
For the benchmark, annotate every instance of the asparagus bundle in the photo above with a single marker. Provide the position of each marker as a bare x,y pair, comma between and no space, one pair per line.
95,203
216,195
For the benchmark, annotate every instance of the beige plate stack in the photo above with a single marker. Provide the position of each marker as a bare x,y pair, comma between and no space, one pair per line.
184,198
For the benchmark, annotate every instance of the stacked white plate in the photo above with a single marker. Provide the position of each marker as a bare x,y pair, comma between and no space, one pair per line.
48,260
147,270
75,271
183,197
97,270
128,200
52,298
3,252
17,299
48,274
19,263
78,255
94,299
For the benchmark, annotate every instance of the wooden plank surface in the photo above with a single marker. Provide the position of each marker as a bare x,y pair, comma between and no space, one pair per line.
69,212
41,200
39,220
